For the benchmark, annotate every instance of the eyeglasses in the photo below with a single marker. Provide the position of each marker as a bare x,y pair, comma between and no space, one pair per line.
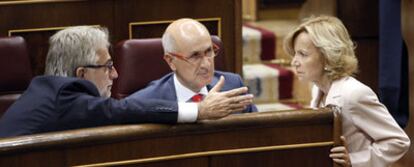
198,56
109,66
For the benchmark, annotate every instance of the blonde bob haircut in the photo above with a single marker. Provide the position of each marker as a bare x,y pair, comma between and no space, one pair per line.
330,36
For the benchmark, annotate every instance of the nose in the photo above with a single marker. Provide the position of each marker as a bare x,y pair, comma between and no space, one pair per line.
113,74
294,62
206,61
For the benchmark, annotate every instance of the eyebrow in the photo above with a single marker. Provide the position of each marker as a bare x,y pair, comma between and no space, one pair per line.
109,60
302,51
210,47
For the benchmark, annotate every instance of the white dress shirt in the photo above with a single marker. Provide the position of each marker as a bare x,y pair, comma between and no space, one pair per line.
187,110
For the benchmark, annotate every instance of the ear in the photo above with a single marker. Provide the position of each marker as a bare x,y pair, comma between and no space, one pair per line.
326,65
80,72
169,59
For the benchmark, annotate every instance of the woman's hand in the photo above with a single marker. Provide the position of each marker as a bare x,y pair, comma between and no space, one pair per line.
340,154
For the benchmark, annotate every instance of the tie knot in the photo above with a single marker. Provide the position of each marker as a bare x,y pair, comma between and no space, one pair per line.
197,98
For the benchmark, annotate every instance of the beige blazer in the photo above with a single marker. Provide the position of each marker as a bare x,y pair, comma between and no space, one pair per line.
373,137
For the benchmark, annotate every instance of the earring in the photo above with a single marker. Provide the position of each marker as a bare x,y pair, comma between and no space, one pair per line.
326,69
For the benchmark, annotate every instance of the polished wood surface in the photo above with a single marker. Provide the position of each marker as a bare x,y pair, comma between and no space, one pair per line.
18,2
318,7
36,21
361,20
264,139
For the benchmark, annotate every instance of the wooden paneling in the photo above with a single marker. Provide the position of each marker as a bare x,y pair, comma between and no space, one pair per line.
360,17
297,158
318,7
117,16
38,45
229,11
39,158
35,19
249,10
264,139
367,52
155,29
361,20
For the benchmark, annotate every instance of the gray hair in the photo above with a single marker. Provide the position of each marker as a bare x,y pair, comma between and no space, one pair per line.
73,47
332,39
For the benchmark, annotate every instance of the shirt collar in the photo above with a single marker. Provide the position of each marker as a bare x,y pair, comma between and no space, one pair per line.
183,93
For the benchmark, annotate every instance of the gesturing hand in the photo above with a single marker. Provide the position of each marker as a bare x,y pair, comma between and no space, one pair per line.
340,154
220,104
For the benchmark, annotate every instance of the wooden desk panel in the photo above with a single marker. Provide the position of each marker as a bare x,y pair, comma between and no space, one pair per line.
291,138
37,21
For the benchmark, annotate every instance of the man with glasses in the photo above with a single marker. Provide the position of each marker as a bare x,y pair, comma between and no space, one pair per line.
190,52
75,92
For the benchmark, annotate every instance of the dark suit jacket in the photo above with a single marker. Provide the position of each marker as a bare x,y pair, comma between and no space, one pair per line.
164,88
58,103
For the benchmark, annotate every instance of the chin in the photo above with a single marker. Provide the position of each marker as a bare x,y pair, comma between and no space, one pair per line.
106,94
204,78
202,83
302,79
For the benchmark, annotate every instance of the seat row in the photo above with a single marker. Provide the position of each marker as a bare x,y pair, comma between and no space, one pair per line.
138,62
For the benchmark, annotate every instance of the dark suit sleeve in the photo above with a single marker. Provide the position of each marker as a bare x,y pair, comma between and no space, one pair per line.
252,107
81,106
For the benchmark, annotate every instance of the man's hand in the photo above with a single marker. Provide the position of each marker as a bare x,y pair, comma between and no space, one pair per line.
340,154
220,104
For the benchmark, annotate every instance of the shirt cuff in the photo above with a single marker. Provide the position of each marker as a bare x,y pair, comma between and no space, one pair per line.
187,112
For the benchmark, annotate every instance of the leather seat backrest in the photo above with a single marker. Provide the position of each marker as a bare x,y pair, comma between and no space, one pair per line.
140,61
15,70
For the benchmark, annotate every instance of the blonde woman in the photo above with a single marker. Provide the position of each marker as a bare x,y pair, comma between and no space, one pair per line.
323,54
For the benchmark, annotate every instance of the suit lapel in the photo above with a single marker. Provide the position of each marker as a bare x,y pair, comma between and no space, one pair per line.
213,82
333,94
335,91
169,89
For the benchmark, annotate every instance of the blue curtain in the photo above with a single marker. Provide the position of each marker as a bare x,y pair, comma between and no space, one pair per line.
393,62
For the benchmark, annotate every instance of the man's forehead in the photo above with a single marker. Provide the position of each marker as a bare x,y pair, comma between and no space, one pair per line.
192,42
190,29
187,31
195,45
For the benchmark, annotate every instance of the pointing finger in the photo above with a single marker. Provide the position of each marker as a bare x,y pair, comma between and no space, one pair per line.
235,92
